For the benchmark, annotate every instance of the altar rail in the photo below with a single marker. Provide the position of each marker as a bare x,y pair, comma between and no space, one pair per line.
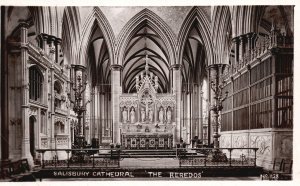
186,157
221,157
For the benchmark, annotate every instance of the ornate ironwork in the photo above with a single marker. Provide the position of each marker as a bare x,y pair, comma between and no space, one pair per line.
216,71
78,82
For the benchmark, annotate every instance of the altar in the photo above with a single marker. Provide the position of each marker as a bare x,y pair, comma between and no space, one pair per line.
147,118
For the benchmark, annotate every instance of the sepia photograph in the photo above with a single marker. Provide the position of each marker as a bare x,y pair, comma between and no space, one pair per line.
148,93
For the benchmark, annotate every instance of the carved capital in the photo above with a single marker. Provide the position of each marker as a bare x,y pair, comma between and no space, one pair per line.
235,40
52,50
175,67
57,41
116,67
23,24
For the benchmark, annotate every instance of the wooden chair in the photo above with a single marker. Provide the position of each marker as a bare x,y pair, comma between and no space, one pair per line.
277,165
281,168
286,173
15,171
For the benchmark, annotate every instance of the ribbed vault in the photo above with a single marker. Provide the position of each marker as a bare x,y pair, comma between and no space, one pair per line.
98,64
193,62
145,42
145,34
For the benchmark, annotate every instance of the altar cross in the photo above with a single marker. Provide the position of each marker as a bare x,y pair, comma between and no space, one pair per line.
146,100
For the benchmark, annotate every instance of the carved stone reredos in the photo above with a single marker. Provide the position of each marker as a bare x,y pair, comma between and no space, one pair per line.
146,87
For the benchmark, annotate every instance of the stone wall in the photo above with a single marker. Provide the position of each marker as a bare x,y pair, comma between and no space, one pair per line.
271,143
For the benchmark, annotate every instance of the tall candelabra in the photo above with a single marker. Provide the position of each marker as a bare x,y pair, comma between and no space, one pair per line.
78,82
216,72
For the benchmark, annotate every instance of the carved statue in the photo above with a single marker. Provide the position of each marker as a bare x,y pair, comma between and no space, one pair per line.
150,115
132,116
124,115
169,115
161,115
143,115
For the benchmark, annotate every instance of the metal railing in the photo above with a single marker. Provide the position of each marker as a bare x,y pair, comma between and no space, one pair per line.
211,157
111,157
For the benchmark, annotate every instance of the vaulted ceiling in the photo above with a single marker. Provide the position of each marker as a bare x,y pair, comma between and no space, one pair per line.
193,63
145,42
98,65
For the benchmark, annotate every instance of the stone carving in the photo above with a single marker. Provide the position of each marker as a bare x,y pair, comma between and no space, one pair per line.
150,115
132,115
143,115
169,115
62,141
33,111
17,121
59,119
44,143
124,115
263,143
161,115
149,110
286,148
225,141
240,141
128,101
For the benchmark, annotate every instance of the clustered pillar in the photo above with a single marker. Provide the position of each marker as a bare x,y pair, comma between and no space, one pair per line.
25,92
176,70
116,90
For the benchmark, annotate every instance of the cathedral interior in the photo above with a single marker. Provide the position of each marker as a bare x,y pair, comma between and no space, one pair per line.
147,78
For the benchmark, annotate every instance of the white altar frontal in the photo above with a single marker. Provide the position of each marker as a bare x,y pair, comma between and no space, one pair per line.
147,118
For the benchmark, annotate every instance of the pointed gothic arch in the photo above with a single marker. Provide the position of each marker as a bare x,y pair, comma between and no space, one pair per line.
96,18
196,16
149,18
145,33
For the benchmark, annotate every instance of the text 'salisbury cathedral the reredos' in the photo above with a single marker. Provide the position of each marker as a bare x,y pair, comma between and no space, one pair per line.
147,78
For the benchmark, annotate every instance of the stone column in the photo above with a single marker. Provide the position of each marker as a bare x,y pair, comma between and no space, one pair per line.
52,49
25,95
236,50
249,42
242,47
96,115
116,90
188,117
4,128
45,43
92,113
176,71
109,114
184,115
208,110
102,123
57,44
200,129
52,109
213,74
